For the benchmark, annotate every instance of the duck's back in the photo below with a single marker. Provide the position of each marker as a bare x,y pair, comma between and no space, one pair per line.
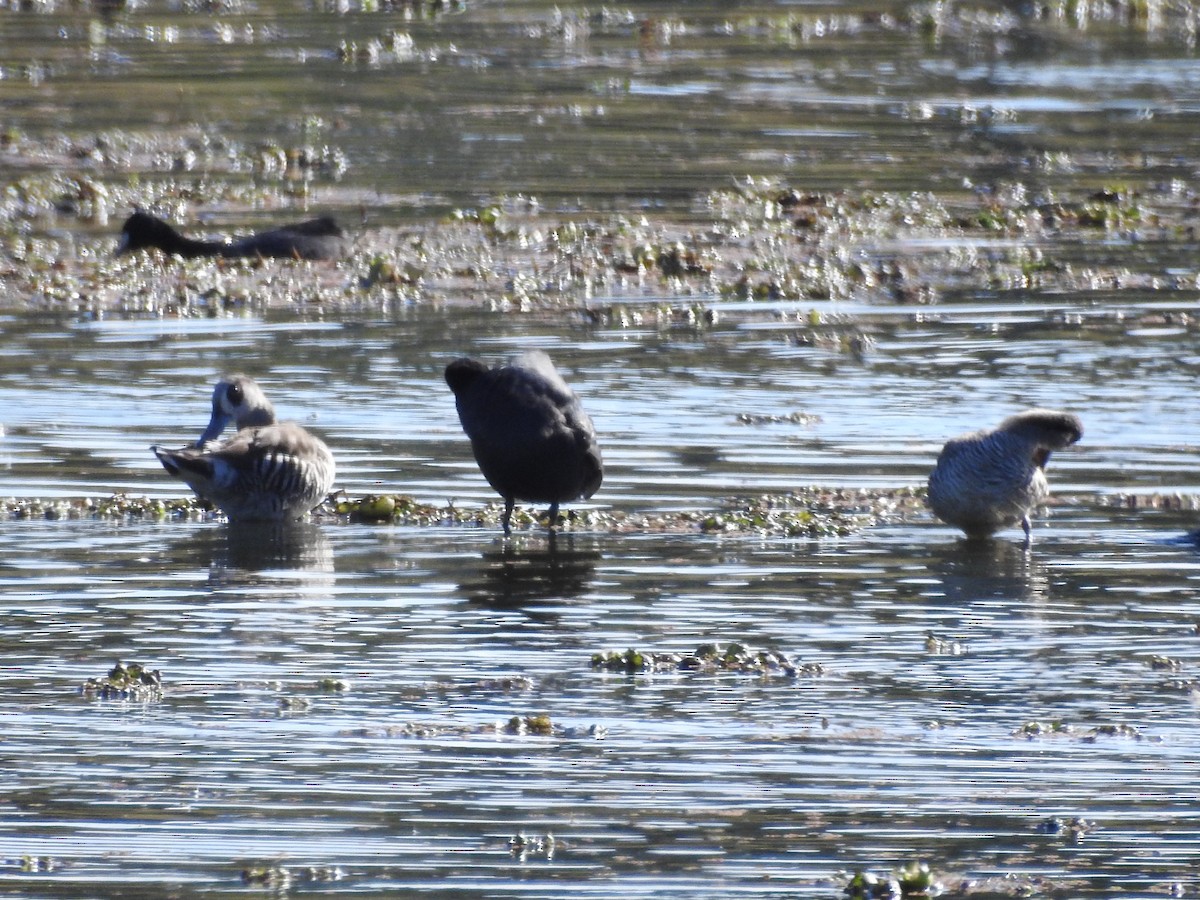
271,472
529,433
986,481
320,238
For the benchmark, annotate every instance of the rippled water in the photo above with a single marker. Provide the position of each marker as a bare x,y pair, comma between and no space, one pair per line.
337,695
717,786
652,785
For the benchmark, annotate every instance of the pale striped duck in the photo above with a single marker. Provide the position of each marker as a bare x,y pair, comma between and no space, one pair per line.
268,470
528,431
993,478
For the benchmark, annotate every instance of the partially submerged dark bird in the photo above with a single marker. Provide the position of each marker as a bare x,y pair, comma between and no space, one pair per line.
268,471
320,238
529,433
989,479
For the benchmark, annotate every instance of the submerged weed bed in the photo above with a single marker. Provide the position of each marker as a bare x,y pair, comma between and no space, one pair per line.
810,512
762,241
707,659
125,681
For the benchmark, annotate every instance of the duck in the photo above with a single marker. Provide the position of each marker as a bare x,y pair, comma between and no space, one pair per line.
267,471
528,432
993,478
320,238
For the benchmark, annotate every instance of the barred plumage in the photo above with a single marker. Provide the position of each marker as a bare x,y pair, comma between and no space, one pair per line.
528,431
989,479
266,471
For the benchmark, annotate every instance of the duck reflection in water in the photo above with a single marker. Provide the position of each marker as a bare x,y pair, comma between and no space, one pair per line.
523,575
987,571
255,554
259,546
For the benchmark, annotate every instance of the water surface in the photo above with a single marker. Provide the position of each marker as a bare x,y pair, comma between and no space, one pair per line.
338,703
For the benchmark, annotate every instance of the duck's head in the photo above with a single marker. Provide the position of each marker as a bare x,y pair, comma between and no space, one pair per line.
237,399
142,230
464,372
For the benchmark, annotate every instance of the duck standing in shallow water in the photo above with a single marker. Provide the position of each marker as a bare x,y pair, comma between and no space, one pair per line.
529,433
319,238
268,471
989,479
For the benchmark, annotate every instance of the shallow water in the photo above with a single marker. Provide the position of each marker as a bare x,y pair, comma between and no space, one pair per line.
653,785
718,786
336,695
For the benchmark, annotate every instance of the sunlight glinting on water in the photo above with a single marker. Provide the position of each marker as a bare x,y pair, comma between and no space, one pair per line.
394,710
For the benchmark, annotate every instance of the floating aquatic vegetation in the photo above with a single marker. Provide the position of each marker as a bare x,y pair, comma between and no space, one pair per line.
130,681
400,509
795,418
205,169
502,685
811,512
513,256
1151,501
940,646
867,885
1075,828
269,875
1041,729
118,506
690,316
370,508
492,218
1164,663
422,9
672,259
38,863
707,659
814,512
1055,728
302,161
281,878
914,879
855,343
966,24
538,725
382,271
1119,730
36,196
522,846
322,873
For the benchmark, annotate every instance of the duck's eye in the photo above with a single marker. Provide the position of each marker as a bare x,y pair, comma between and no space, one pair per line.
235,395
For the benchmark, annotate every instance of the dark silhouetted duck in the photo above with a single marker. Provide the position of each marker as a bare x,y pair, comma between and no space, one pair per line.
315,239
530,435
989,479
267,471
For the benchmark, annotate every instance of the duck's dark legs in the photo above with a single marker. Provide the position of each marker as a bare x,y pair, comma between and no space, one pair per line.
551,515
1027,527
507,520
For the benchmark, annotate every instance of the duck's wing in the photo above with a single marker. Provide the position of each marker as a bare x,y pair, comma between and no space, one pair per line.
320,238
268,472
